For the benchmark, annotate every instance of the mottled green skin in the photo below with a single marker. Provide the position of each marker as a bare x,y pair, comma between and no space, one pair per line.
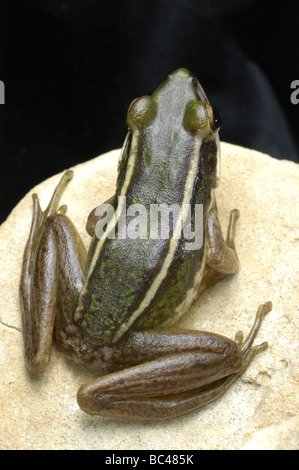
125,269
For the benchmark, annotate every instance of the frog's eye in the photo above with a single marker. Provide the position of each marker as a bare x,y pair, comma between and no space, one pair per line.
214,116
195,116
141,112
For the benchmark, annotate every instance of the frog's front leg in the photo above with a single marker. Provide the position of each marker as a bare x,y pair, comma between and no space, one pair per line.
193,369
52,277
222,259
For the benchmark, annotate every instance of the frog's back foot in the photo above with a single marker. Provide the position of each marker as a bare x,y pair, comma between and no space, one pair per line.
247,343
51,209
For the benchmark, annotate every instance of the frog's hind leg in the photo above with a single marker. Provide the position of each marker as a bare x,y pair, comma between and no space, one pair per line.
48,266
194,369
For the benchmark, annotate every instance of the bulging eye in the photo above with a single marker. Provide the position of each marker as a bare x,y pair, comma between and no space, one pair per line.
132,104
142,112
199,115
214,116
195,117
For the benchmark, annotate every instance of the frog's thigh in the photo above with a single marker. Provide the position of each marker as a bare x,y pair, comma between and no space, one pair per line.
57,271
170,385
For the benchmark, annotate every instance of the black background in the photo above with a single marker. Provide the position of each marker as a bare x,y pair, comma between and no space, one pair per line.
71,69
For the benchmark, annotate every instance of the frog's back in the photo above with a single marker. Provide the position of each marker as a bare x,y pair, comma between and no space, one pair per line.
140,283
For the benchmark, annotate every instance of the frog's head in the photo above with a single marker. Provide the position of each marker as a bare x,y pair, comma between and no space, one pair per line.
180,105
202,119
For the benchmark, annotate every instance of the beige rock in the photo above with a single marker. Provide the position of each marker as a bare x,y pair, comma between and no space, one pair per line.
260,411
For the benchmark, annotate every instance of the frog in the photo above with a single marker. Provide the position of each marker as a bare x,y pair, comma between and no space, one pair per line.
116,308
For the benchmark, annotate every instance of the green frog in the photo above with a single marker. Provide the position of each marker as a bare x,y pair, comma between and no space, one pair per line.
116,307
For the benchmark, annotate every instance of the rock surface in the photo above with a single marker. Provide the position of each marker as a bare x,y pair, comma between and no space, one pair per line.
260,411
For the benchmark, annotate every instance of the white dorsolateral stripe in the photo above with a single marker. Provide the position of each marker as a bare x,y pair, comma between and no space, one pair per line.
151,291
191,293
112,223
